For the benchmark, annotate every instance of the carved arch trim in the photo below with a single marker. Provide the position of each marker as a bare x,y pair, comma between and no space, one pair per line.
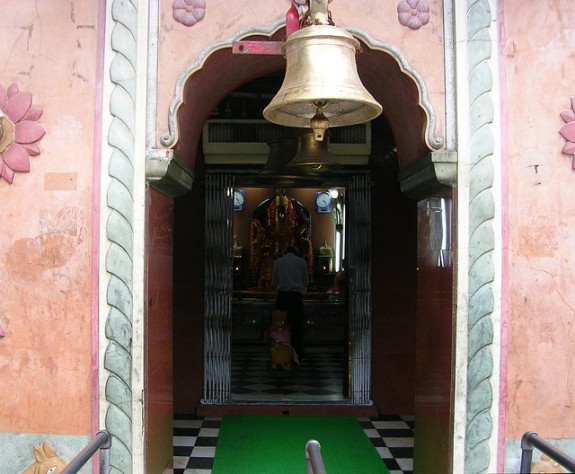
411,153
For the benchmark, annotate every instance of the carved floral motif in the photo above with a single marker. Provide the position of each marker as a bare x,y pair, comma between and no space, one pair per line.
188,12
19,132
567,131
413,13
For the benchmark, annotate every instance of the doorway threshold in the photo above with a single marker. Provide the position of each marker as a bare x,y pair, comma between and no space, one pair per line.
299,409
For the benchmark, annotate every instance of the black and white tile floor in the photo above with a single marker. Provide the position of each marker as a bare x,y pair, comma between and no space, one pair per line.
318,380
196,438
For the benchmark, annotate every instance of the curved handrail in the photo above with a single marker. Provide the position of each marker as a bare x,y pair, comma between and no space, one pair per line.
530,440
313,458
102,441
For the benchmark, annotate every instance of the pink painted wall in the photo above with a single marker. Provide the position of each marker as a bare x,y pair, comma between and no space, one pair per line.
179,45
49,51
538,52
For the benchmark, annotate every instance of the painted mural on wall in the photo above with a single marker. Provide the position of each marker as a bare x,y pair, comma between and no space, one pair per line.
546,464
567,131
46,461
19,132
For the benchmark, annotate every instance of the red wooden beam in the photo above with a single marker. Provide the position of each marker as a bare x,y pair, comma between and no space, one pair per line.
257,47
269,47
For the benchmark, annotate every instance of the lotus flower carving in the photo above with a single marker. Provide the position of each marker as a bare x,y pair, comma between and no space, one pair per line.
567,131
19,132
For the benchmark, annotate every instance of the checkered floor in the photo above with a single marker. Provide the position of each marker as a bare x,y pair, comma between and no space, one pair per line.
196,438
319,378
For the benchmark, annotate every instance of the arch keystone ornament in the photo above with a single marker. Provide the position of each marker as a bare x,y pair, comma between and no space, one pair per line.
19,132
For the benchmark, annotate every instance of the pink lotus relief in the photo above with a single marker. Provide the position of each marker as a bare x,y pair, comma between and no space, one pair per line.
188,12
19,132
413,13
567,131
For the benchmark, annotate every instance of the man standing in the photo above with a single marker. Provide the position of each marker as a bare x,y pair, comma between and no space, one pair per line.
290,278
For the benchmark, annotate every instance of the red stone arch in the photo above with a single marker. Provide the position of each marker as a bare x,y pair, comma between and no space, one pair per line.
383,72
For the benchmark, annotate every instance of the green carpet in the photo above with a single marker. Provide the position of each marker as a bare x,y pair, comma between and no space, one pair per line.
276,445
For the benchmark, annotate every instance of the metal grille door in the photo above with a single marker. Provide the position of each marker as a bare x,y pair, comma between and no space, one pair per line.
359,281
218,288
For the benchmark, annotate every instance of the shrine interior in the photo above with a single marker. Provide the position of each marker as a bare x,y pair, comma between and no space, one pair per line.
275,206
266,221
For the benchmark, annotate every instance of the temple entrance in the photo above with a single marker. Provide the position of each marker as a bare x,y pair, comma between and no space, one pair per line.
382,323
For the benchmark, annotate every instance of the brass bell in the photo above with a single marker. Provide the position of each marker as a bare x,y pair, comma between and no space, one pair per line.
312,155
321,87
275,173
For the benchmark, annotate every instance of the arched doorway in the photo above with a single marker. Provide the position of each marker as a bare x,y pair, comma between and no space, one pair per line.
475,430
403,146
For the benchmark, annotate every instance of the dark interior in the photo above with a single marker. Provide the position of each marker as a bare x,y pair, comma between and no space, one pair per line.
393,264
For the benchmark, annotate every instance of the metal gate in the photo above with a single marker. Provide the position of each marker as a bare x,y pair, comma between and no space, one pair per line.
219,288
359,287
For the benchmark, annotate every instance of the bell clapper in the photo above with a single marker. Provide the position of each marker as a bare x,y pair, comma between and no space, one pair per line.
319,122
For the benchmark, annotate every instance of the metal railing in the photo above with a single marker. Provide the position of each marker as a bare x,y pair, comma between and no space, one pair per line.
532,440
102,441
313,458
